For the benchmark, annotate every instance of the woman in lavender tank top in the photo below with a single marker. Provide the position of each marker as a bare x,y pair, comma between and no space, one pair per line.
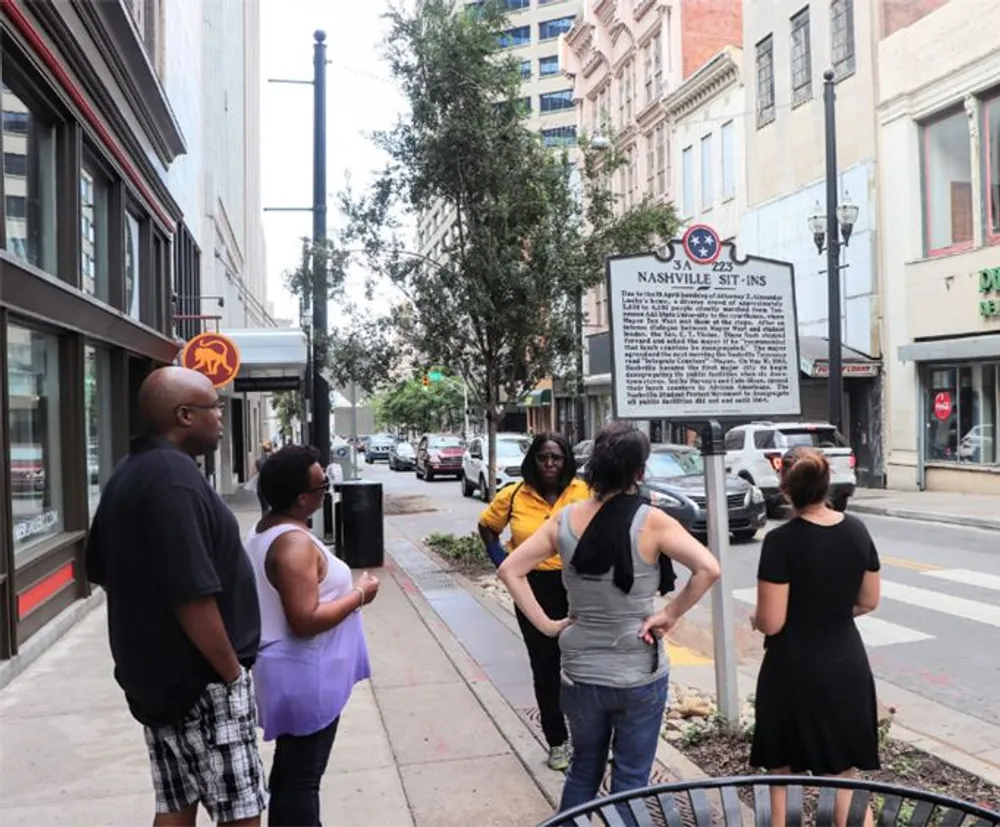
312,647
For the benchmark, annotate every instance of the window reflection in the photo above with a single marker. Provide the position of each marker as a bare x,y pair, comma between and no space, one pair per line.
36,484
132,291
97,412
94,233
29,183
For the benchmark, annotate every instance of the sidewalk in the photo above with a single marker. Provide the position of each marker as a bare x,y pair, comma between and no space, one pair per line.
428,742
969,510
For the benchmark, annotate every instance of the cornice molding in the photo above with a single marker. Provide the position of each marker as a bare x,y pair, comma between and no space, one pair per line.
716,76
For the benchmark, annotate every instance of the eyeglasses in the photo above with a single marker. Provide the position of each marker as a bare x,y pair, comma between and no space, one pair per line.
554,459
217,405
320,488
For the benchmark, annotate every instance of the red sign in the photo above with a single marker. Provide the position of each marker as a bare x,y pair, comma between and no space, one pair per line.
942,405
212,355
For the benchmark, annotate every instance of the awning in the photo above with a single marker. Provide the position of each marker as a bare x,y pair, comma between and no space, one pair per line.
948,350
814,360
271,358
538,398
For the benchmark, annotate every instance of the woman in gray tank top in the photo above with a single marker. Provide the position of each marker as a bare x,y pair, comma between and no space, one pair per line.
614,665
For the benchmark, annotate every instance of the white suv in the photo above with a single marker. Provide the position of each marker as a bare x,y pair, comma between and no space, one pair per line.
754,452
511,449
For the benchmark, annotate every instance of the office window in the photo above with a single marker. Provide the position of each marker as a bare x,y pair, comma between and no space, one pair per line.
559,136
133,287
661,159
647,71
630,176
991,150
765,81
728,162
621,100
658,62
94,199
556,101
842,36
707,160
525,70
35,450
801,58
549,29
548,66
947,183
29,183
97,414
629,87
517,5
518,36
651,162
687,182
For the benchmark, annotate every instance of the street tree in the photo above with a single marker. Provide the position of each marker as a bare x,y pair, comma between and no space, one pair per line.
499,306
415,408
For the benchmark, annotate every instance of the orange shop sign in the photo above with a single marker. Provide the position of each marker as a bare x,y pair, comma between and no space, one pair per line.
212,355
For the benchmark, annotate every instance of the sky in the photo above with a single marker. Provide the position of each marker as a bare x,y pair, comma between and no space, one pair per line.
360,99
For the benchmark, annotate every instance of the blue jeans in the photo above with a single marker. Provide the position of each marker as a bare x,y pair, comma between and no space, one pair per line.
296,773
628,720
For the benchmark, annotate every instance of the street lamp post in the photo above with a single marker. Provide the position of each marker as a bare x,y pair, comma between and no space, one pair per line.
824,227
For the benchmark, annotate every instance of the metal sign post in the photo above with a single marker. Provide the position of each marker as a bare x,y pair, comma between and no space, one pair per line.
700,335
713,449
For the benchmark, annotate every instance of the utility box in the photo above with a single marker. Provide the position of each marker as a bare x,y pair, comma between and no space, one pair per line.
360,534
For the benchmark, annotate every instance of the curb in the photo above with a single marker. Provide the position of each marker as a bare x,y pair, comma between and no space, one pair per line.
48,635
513,730
987,523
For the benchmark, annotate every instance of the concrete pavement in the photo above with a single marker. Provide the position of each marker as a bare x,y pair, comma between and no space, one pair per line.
969,510
426,742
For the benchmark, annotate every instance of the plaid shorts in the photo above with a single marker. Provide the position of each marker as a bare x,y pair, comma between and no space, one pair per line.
211,756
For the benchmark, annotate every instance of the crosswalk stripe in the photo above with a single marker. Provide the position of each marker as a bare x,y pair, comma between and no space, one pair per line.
968,577
940,602
874,631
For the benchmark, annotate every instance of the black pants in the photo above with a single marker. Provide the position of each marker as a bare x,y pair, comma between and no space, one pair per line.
543,652
298,767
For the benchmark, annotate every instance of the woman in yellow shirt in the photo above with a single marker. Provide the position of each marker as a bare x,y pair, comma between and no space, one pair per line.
548,484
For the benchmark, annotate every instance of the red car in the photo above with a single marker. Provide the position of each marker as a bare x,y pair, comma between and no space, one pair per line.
439,455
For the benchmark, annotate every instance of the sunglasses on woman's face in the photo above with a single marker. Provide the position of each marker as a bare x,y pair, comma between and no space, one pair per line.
553,459
320,488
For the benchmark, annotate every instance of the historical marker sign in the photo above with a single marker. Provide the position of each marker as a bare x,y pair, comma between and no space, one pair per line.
701,334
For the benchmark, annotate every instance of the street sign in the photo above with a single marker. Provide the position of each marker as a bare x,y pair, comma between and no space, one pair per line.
701,334
435,376
214,356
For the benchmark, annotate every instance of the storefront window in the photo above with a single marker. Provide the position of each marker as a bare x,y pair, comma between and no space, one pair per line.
132,287
97,411
948,183
991,149
29,182
962,412
36,484
94,233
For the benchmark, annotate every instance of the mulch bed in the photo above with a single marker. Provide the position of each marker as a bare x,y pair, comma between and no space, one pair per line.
396,504
722,754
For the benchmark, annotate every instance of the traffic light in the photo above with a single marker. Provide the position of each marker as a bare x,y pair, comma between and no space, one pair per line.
427,380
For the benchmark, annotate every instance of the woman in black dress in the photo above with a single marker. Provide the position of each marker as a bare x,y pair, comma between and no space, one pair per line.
815,703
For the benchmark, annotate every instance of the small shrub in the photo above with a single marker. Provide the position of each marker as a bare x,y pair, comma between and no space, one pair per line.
465,552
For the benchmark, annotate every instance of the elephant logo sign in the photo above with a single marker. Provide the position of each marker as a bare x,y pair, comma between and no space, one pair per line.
212,355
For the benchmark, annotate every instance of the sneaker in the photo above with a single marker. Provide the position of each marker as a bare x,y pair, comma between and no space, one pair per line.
559,757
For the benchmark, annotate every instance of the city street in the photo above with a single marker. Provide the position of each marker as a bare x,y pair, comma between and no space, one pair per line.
934,633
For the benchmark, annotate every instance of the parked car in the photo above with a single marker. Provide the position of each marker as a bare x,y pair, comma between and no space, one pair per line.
511,449
402,457
754,453
378,448
439,455
27,469
675,482
977,444
581,452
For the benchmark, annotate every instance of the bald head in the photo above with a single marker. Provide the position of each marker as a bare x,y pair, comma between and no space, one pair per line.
182,406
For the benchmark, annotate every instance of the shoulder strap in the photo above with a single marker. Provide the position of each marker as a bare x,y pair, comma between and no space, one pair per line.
510,505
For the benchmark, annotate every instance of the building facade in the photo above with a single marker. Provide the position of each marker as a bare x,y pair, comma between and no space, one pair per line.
627,59
938,126
788,44
122,213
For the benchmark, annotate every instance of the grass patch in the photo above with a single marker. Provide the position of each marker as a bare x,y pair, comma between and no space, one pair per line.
465,553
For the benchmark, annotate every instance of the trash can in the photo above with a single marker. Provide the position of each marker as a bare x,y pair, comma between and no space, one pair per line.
360,538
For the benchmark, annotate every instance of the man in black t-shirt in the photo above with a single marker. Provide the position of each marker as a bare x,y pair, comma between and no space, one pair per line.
183,616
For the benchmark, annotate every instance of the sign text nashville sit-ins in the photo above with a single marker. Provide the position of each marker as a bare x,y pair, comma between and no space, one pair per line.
989,283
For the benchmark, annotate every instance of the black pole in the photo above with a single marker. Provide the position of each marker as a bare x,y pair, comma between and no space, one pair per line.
320,389
836,379
578,411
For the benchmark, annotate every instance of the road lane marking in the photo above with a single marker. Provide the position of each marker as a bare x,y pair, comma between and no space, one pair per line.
682,656
968,577
874,631
944,603
912,565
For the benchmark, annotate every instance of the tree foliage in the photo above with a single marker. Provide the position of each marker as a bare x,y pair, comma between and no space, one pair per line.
288,409
413,408
499,306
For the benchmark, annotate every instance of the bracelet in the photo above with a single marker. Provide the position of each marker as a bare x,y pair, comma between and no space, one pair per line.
361,592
